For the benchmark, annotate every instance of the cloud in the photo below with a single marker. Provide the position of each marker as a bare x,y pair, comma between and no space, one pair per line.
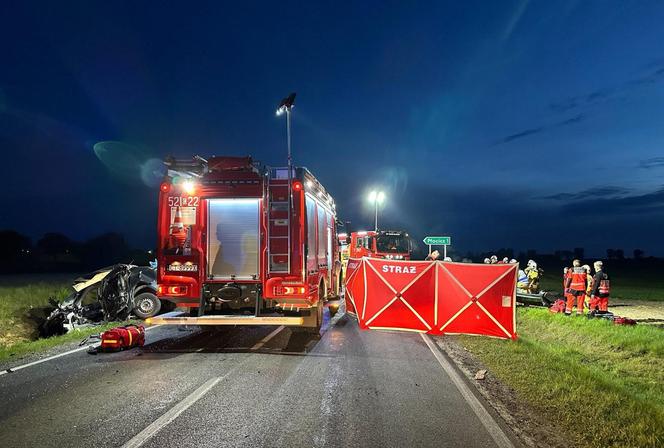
519,135
618,204
487,218
653,162
607,191
528,132
654,73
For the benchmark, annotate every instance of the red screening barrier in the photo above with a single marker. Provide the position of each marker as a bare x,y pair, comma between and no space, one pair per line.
433,297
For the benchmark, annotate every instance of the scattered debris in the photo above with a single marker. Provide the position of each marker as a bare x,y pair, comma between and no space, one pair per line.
480,374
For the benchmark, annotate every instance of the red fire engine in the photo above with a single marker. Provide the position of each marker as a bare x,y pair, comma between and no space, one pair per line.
392,244
237,246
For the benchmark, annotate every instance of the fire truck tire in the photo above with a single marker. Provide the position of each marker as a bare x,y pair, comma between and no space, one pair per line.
146,305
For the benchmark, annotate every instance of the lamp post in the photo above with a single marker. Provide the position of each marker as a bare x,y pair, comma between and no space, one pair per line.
377,197
286,106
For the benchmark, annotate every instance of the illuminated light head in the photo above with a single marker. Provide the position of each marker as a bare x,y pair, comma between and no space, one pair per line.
189,187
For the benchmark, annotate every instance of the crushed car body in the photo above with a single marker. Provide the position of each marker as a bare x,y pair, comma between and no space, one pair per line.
106,295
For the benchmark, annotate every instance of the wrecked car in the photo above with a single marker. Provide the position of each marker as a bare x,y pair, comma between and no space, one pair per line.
106,295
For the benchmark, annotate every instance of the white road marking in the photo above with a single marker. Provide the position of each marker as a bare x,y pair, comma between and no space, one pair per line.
265,340
59,355
487,420
173,413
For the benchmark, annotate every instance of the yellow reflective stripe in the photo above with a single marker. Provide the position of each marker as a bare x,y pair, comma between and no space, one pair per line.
110,341
130,337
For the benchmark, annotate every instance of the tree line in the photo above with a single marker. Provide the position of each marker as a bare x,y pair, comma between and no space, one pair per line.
55,252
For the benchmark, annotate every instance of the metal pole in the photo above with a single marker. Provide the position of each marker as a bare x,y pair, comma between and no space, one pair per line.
376,218
444,251
290,160
288,112
429,249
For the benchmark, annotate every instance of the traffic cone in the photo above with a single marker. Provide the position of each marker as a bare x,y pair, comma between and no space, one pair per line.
177,231
177,225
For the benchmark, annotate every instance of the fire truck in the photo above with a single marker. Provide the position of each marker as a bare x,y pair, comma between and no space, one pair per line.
392,244
245,244
344,251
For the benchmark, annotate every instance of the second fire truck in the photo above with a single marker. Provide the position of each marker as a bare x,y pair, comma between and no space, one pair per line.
244,244
391,244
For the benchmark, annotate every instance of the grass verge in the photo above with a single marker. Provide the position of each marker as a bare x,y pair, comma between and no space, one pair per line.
18,329
18,304
39,345
600,383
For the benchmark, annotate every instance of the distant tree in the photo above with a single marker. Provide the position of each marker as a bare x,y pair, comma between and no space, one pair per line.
54,244
564,255
105,250
620,254
610,254
638,254
16,253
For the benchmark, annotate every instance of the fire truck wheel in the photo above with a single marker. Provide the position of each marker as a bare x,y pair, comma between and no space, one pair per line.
146,305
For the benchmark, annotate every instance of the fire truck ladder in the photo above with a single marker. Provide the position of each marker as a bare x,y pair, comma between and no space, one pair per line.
279,222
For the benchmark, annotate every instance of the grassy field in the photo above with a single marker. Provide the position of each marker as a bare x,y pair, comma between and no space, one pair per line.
16,304
600,383
19,298
627,282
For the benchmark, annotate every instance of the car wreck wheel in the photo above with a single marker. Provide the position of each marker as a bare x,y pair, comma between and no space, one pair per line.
146,305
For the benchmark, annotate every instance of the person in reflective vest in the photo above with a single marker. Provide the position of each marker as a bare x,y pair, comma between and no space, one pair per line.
576,288
599,297
589,287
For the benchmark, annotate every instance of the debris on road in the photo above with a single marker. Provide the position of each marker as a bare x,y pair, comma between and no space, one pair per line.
480,374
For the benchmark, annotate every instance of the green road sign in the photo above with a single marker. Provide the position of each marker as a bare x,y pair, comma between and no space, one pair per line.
438,240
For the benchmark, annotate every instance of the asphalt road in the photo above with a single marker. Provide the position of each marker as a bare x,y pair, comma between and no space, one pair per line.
250,386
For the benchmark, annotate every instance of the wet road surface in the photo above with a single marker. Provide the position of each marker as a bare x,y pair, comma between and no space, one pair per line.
245,386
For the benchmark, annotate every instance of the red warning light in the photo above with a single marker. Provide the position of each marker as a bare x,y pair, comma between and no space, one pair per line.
165,187
297,186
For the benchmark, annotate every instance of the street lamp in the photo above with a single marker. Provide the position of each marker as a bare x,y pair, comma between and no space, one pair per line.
376,197
286,106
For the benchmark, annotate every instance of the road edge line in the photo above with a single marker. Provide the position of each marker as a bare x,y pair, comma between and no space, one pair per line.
173,413
487,420
59,355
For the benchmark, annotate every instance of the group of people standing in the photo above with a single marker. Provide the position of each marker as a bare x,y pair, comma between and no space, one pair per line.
581,286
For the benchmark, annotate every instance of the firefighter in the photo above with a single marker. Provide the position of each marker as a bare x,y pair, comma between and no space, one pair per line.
487,261
522,280
589,287
576,288
533,278
599,296
433,256
494,259
567,274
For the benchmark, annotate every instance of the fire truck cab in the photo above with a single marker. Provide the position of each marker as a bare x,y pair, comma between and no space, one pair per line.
392,244
244,244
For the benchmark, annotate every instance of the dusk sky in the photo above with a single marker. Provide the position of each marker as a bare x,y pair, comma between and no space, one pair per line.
524,124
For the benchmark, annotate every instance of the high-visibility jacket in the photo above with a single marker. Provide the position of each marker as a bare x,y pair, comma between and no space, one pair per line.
578,280
602,285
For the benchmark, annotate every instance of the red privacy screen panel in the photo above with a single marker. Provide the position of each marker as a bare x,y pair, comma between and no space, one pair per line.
432,296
